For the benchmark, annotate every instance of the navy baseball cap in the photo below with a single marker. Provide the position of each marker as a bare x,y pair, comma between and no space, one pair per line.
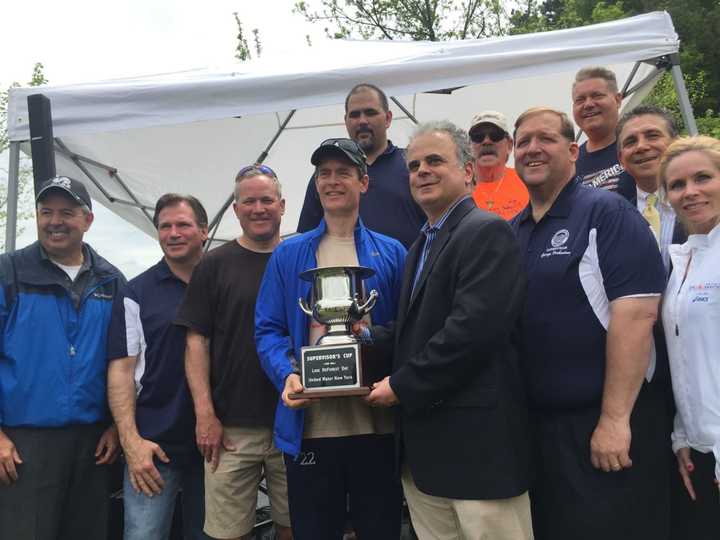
74,188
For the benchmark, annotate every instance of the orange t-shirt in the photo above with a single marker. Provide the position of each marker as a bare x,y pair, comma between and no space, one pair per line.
505,197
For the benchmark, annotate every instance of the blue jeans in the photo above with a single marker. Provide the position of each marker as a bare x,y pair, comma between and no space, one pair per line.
147,517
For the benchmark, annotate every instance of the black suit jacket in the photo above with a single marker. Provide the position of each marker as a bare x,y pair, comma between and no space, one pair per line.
463,420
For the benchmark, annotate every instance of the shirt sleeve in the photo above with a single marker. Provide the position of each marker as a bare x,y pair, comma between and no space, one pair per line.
679,437
125,333
312,211
628,253
198,306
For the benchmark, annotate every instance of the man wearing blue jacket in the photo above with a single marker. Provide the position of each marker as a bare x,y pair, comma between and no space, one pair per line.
335,448
55,302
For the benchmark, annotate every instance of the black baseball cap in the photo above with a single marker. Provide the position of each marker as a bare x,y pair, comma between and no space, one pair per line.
342,148
72,187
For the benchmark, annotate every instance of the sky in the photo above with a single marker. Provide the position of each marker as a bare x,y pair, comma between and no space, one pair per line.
90,40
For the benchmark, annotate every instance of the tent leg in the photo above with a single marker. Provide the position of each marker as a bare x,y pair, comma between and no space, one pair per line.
684,100
13,191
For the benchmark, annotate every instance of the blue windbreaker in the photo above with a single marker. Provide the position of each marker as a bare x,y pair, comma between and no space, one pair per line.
281,328
53,362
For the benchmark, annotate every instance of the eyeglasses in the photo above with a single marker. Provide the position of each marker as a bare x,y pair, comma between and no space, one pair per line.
264,169
495,133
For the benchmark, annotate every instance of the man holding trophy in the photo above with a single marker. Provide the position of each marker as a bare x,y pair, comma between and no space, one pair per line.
337,448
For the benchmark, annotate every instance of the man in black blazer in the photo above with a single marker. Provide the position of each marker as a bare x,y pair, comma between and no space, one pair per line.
462,420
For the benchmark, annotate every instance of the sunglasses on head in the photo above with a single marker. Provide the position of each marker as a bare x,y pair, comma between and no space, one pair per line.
495,133
346,144
256,167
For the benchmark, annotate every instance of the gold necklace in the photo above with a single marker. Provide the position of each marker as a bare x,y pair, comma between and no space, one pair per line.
490,198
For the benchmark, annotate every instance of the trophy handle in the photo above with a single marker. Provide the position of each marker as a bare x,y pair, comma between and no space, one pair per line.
305,308
367,306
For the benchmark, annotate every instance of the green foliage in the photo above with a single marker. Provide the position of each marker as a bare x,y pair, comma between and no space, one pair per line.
430,20
242,50
25,182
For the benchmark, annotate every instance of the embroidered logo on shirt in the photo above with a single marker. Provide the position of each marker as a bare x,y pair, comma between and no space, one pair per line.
557,244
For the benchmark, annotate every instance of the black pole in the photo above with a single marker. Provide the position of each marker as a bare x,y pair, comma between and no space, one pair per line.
41,138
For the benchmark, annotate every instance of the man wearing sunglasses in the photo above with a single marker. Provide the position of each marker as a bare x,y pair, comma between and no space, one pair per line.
498,188
386,206
234,400
335,448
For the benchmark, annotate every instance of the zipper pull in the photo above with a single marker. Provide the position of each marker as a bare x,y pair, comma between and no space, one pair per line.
72,350
677,332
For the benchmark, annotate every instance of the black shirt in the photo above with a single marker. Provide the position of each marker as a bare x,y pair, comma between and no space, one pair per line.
220,305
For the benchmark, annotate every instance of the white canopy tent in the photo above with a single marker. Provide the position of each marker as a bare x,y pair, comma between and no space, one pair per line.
132,140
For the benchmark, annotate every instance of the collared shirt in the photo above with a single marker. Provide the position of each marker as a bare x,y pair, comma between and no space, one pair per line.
667,222
589,249
691,318
142,326
387,207
430,232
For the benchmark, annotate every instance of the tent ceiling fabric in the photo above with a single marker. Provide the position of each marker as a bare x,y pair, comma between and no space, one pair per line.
191,131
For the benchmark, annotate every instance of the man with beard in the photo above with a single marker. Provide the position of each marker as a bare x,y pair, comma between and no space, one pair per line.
596,105
147,390
387,206
498,188
595,277
56,299
234,400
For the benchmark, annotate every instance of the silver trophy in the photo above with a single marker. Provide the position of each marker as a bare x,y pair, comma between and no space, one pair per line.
333,366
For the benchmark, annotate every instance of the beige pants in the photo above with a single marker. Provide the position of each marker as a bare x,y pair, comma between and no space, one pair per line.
438,518
231,491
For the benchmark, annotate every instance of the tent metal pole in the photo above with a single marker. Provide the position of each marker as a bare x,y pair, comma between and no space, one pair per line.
625,87
410,115
80,163
215,222
13,191
683,98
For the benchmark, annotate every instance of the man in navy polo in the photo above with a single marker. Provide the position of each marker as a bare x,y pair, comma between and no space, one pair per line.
147,389
387,207
595,276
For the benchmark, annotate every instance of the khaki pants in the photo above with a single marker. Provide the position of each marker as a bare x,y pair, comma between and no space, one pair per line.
438,518
231,491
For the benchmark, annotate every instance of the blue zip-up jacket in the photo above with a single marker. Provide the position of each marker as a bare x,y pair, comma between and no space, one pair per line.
281,328
53,360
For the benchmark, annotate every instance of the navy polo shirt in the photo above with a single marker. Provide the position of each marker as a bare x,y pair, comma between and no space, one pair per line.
142,326
591,248
387,207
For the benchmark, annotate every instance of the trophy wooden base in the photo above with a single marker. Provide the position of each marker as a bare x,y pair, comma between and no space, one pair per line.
342,392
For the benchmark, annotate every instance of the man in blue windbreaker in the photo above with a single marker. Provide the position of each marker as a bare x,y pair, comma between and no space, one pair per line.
336,449
55,302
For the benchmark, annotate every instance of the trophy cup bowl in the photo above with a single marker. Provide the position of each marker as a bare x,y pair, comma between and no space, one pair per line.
332,366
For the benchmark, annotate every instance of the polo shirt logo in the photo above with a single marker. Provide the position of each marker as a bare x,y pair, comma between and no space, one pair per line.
557,244
560,238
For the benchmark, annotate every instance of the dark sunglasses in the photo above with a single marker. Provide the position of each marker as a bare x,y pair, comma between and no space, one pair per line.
495,133
262,168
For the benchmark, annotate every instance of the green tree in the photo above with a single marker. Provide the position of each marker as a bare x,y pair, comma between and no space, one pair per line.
431,20
242,50
26,209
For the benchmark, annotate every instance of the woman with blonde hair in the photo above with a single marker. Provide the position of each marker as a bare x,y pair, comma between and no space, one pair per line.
690,178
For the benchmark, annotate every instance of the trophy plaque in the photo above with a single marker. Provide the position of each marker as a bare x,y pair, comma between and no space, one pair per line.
333,366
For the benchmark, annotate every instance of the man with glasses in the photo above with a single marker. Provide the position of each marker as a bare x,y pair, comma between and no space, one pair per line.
234,401
387,206
498,188
336,449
